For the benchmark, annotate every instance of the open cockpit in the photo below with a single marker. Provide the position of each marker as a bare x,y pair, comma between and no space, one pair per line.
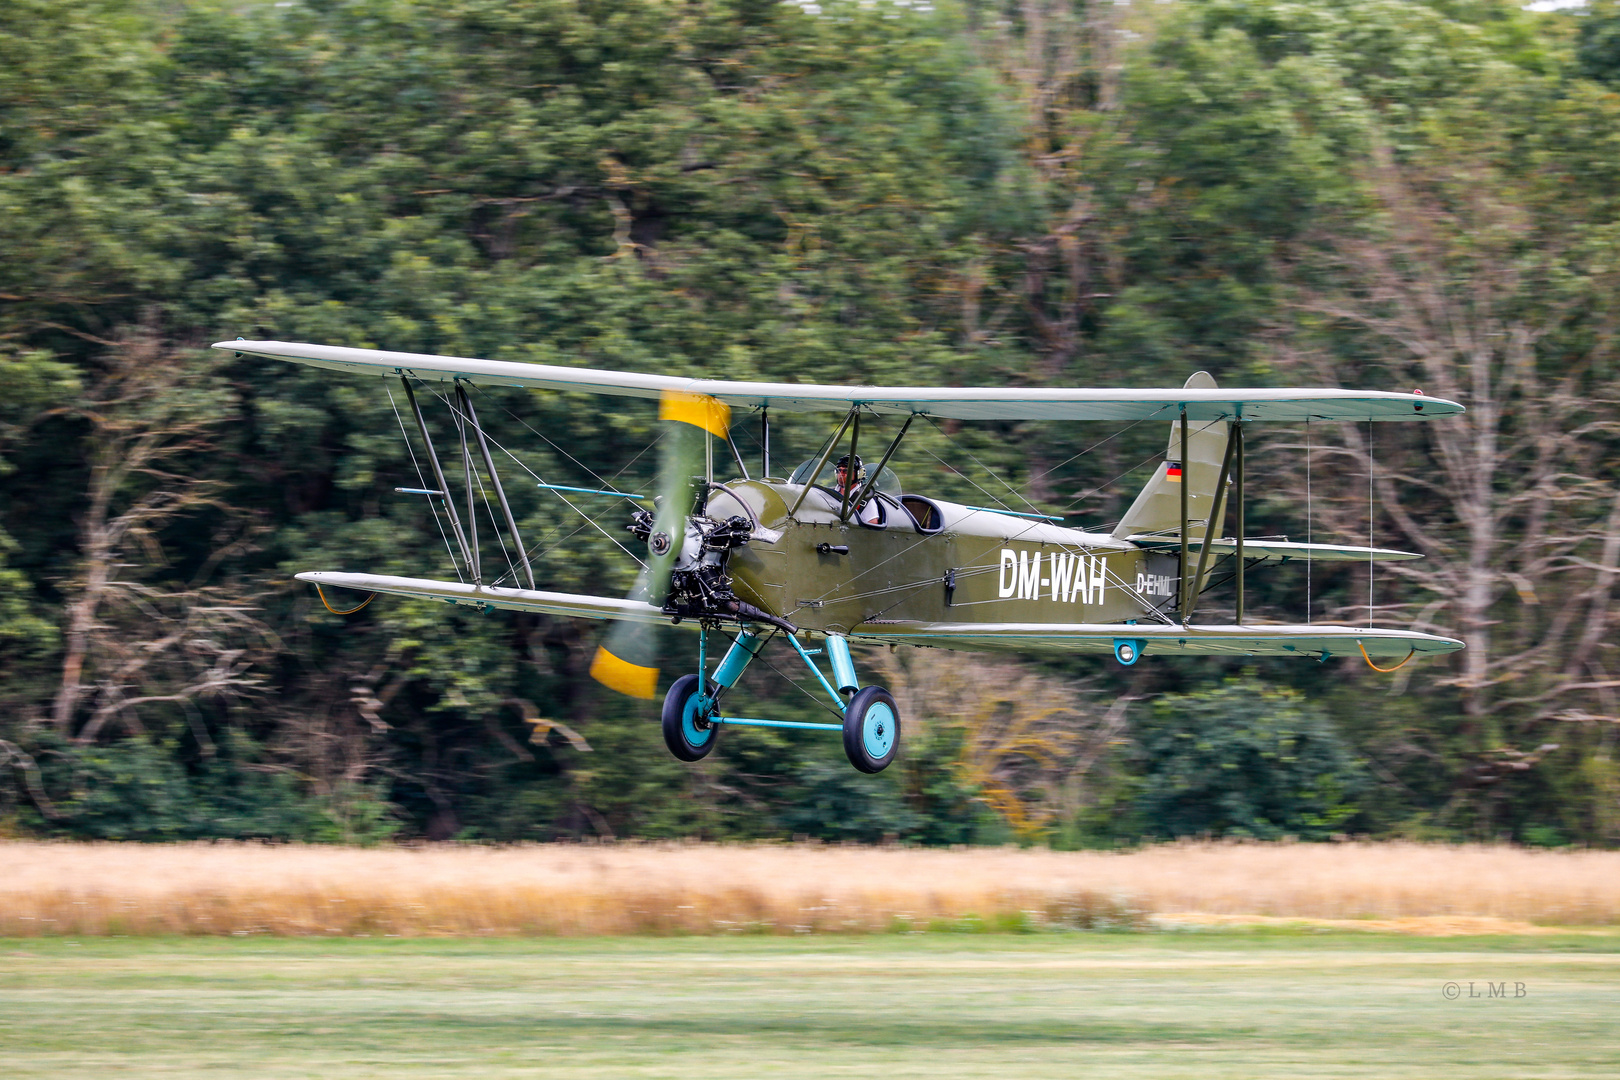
886,505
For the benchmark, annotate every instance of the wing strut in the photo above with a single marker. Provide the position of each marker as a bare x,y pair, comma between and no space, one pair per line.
1217,511
1231,462
438,473
854,451
737,455
467,537
1181,565
495,480
821,461
472,507
871,481
1237,503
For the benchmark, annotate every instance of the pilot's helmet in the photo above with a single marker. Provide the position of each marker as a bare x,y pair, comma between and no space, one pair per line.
855,468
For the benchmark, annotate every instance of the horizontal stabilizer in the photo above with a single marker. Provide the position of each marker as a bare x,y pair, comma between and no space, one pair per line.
488,596
1317,640
1277,550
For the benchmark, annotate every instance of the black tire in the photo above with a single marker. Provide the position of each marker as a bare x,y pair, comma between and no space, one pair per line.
871,729
688,736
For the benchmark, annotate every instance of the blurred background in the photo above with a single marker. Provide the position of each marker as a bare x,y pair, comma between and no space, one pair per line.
1321,192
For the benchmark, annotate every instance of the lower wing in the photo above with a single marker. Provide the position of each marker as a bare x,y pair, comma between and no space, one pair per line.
487,596
1316,640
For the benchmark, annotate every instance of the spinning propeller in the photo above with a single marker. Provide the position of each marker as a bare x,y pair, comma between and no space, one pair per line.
627,661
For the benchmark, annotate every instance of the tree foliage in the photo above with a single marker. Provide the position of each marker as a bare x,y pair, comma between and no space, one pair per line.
1058,191
1243,760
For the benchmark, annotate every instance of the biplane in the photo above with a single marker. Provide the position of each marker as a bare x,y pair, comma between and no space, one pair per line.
837,552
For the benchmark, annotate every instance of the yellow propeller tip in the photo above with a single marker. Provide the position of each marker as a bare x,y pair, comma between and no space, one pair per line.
699,410
623,676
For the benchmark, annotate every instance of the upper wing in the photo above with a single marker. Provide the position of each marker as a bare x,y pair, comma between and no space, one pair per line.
486,596
1315,640
963,403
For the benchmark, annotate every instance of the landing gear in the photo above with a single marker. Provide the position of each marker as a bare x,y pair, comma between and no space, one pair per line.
870,721
687,730
871,729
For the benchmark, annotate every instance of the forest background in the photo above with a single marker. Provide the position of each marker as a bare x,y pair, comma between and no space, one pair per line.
1368,193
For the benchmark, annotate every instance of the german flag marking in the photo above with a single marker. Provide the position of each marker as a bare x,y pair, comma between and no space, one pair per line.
1172,471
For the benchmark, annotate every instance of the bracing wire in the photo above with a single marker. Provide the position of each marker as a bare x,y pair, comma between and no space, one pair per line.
1308,520
561,451
536,553
423,481
497,527
540,553
1110,483
1103,442
536,477
1370,511
511,571
791,681
990,495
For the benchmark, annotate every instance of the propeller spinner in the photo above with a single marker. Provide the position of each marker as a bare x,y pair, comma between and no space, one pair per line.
627,660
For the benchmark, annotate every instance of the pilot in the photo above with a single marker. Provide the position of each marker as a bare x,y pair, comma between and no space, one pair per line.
851,477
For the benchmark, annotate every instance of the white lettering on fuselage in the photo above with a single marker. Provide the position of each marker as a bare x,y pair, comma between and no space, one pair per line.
1062,576
1155,584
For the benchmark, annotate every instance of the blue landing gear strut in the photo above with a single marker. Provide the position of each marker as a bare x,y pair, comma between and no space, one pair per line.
692,716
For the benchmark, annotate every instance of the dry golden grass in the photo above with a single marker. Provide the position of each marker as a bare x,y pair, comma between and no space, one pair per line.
679,888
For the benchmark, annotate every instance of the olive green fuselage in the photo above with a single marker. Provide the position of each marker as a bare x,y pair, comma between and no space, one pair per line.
930,562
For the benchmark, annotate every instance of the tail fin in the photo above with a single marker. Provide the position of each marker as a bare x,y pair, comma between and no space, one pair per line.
1158,508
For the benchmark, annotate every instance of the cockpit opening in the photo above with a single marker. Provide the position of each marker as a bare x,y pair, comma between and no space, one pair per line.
887,481
887,506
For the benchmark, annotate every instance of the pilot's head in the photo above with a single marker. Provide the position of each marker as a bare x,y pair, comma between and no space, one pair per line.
851,471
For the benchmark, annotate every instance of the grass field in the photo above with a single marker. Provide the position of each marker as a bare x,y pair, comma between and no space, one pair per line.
573,889
1162,1005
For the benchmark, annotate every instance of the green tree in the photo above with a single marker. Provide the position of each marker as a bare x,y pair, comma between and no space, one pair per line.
1243,760
1597,49
975,195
